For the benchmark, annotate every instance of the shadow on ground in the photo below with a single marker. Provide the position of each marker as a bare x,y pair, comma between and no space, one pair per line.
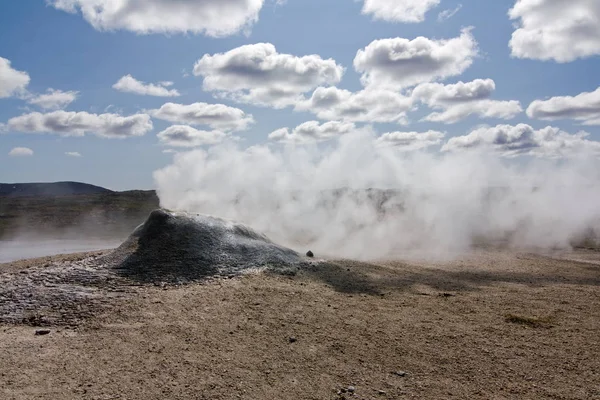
374,279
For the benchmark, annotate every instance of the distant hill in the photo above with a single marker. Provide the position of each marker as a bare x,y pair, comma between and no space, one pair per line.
49,189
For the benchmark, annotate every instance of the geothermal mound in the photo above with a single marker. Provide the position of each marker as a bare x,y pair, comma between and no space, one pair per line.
177,247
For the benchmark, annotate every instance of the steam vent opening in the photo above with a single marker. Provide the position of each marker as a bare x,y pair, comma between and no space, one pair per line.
178,247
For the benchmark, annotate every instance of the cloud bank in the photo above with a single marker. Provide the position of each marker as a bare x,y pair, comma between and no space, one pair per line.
216,116
129,84
12,81
65,123
21,152
399,10
556,30
398,63
216,18
53,99
257,74
584,107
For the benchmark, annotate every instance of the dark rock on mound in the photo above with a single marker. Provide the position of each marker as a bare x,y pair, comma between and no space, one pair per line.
178,247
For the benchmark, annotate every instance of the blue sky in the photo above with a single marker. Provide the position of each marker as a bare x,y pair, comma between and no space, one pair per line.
57,46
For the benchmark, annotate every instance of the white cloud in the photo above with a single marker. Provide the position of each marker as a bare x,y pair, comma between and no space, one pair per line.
584,107
399,62
522,139
216,116
53,99
435,94
370,105
186,136
12,82
399,10
258,74
129,84
312,131
411,140
211,17
449,13
21,152
556,30
460,100
80,123
483,109
73,154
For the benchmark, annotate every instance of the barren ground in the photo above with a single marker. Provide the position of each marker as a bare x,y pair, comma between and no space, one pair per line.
492,325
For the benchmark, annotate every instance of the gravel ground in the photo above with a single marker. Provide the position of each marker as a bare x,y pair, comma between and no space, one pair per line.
489,325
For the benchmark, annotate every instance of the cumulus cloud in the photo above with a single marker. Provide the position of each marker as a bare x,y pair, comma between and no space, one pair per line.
449,13
53,99
460,100
399,62
522,139
258,74
216,116
312,131
584,107
438,94
211,17
80,123
483,109
369,105
399,10
410,141
555,30
73,154
129,84
21,152
187,136
12,82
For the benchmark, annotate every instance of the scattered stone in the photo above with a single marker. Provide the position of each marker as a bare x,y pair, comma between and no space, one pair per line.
41,332
447,294
310,254
400,373
351,389
381,392
293,339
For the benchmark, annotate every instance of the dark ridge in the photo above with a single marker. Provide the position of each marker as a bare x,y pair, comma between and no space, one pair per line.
107,214
55,189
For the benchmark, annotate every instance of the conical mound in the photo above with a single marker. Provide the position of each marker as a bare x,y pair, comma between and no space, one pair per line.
176,247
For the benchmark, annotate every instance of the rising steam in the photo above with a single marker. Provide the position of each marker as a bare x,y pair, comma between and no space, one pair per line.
354,198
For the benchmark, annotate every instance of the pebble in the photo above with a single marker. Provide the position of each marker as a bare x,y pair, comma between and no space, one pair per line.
293,339
41,332
401,373
310,254
351,389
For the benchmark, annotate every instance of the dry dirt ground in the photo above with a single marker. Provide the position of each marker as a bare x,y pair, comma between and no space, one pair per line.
491,325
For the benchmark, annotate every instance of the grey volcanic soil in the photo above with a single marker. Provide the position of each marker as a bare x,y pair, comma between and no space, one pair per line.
444,324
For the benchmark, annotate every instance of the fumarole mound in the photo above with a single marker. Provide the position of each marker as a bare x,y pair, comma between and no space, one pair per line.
177,246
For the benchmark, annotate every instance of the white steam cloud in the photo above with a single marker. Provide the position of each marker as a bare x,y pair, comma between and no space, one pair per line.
355,198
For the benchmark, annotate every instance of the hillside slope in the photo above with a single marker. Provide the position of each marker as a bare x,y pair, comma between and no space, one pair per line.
49,189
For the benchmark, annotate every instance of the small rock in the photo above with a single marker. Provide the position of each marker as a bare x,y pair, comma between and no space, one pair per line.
381,392
293,339
351,389
41,332
400,373
310,254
